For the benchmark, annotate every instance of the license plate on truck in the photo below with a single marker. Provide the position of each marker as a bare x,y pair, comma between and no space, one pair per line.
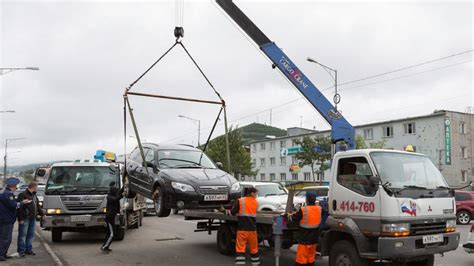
222,197
433,239
80,218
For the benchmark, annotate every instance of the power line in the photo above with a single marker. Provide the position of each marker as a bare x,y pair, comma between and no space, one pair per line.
408,67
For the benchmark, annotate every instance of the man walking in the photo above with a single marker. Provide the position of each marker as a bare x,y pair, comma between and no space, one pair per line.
113,207
8,206
27,220
309,217
246,210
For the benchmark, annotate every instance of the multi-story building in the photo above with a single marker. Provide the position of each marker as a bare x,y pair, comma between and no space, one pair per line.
444,136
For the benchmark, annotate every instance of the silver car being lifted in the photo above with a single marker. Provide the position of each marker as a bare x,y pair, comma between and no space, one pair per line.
75,199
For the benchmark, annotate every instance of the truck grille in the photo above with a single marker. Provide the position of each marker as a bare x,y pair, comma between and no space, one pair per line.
82,203
428,228
214,189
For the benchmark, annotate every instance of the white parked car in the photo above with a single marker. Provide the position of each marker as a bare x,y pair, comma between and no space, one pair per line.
271,196
321,191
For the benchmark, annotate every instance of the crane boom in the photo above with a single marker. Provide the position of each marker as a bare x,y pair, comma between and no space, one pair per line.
341,129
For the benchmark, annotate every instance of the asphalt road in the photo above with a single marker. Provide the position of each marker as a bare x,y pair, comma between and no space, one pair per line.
171,241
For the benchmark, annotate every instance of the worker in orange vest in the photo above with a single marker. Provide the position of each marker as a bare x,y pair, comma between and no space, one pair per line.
309,217
246,211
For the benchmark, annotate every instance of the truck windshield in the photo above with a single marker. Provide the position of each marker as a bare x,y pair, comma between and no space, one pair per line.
403,170
184,159
81,178
270,190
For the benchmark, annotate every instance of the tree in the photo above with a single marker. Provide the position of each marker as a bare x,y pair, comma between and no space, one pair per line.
361,144
314,151
239,156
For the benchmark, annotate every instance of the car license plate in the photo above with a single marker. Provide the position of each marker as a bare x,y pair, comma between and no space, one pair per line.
80,218
220,197
433,239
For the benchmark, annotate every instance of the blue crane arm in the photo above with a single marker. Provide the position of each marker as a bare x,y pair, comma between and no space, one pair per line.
341,129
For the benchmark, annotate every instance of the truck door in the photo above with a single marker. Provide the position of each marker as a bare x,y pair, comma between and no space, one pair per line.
351,195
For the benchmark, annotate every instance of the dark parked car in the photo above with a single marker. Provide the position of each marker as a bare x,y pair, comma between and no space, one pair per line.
180,177
464,206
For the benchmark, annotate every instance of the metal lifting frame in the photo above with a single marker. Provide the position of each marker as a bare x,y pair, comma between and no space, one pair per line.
126,105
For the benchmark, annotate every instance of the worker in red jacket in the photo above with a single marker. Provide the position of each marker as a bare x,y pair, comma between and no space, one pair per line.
246,211
309,217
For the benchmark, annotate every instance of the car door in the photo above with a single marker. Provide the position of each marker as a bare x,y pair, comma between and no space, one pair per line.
135,172
147,170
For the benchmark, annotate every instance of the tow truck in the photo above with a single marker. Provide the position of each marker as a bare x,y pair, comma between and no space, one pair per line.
75,197
384,205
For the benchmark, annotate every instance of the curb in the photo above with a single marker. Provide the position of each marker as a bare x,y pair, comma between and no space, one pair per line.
53,254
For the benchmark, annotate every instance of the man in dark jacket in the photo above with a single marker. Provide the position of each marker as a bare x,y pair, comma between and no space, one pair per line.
8,207
27,220
113,207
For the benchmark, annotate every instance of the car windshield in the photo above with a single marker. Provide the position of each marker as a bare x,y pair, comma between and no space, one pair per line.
81,178
270,190
319,192
407,170
184,159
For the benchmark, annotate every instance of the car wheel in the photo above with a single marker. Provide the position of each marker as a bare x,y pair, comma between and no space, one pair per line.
126,188
158,198
464,217
343,253
56,234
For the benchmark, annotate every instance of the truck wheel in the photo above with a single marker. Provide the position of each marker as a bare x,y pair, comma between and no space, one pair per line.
464,217
343,253
56,234
225,240
120,232
160,209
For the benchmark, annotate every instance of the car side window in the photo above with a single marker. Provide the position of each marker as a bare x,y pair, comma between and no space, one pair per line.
150,156
354,173
462,197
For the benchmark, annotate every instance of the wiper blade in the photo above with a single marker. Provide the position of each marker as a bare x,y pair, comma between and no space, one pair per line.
442,187
410,187
271,194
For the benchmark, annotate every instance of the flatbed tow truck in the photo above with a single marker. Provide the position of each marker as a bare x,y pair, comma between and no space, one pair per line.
383,205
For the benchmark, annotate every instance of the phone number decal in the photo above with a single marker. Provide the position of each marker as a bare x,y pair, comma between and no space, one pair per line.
357,206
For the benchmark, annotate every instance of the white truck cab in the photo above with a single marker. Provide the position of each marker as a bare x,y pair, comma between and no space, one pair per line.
388,205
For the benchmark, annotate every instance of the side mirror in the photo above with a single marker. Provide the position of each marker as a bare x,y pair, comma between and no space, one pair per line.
40,172
219,165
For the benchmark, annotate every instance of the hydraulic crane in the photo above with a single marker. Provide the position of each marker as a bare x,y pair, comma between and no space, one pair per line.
341,129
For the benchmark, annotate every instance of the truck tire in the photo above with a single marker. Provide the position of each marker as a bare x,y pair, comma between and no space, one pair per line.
345,253
463,217
56,235
225,240
120,232
160,209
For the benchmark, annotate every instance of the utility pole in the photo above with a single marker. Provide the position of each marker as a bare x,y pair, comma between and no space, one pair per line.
337,96
5,70
5,157
199,126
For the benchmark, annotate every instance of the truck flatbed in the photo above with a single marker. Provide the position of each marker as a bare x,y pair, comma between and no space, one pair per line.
264,217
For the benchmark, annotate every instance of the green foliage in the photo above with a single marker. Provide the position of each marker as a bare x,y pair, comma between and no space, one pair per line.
308,155
257,131
239,156
361,144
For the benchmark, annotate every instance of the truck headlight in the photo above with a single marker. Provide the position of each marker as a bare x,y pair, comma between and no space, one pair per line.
235,187
451,226
402,229
53,211
182,187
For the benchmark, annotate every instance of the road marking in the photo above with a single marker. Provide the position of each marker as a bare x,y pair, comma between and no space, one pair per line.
55,257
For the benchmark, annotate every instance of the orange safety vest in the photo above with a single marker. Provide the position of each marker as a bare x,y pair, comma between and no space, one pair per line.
311,217
248,207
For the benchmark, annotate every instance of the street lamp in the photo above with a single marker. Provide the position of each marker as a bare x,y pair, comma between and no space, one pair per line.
5,70
7,111
199,126
5,157
337,97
